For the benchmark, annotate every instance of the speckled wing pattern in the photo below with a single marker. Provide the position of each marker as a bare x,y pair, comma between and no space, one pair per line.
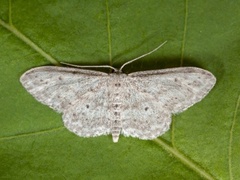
139,104
157,94
76,93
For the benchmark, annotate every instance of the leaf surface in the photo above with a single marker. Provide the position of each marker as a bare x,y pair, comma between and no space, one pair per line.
203,142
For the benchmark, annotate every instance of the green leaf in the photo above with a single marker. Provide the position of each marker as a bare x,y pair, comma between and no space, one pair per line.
203,142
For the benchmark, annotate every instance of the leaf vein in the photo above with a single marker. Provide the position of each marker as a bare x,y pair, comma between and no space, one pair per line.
29,42
184,159
109,33
231,138
184,32
31,133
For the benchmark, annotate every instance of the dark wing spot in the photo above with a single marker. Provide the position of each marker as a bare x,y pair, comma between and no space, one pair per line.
116,113
146,108
87,106
117,84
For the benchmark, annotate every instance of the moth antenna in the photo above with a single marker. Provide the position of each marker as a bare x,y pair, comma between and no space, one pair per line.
100,66
141,56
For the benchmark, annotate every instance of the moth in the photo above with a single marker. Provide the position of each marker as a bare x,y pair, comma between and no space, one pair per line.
138,104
